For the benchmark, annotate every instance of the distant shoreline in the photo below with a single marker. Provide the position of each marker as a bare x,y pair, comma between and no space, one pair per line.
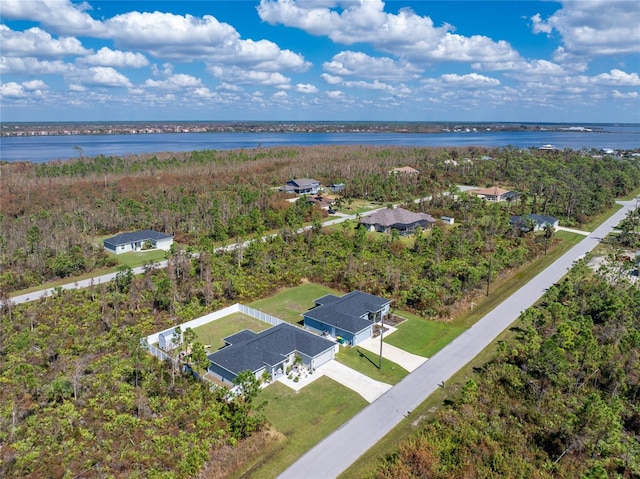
151,127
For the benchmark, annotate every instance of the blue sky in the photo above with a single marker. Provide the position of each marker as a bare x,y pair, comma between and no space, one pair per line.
325,60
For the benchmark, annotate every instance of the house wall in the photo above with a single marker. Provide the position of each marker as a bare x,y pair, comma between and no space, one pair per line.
316,326
111,248
222,374
164,244
118,249
319,360
362,335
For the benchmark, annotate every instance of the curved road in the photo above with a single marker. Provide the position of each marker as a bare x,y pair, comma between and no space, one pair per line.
338,451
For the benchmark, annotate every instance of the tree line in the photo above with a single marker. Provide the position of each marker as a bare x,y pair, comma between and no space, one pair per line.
52,215
561,400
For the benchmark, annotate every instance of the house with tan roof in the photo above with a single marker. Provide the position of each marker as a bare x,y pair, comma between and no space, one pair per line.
405,221
494,193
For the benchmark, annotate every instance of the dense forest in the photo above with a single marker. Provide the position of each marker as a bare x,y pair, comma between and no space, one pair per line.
562,401
52,214
71,364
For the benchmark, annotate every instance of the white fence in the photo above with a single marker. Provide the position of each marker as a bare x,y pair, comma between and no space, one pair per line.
254,313
152,339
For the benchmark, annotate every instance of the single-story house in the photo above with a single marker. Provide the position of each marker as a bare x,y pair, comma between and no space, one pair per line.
321,201
404,170
302,186
494,194
135,241
270,351
350,317
168,340
337,187
404,221
538,222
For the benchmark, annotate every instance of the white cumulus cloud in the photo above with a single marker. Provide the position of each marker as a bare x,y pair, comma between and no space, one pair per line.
358,64
34,85
59,15
618,78
175,82
306,88
471,80
115,58
594,27
12,90
35,42
32,66
102,77
406,34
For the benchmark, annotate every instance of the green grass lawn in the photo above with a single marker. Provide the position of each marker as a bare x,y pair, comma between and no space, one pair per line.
290,303
422,336
212,333
305,418
140,258
366,362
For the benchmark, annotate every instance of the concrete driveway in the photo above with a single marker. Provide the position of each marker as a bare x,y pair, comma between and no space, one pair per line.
368,388
408,361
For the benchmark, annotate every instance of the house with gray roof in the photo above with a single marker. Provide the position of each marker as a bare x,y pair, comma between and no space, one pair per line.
350,317
534,222
302,186
404,221
270,351
136,241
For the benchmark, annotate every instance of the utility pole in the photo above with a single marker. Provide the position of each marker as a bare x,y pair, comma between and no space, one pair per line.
381,333
488,276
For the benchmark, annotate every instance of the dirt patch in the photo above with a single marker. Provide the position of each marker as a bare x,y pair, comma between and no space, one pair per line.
394,320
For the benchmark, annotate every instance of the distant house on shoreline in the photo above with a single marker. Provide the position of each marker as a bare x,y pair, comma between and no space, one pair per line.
137,240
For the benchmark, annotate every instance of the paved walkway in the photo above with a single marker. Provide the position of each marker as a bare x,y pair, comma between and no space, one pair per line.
408,361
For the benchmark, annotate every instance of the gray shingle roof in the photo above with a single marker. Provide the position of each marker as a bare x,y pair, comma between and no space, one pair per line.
389,217
270,346
345,312
143,235
303,182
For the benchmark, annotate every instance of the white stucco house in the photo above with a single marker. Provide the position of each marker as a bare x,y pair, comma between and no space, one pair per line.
136,241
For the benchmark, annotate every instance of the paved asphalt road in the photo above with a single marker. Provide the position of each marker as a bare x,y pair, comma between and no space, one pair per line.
105,278
338,451
85,283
